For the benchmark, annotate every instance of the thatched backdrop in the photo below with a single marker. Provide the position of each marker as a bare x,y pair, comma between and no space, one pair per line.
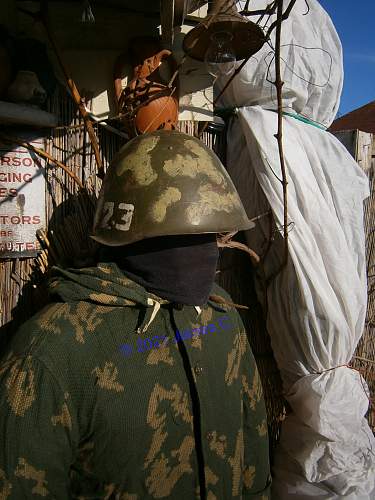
364,358
69,211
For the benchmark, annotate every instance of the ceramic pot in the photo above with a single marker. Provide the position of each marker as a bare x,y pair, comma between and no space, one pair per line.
147,102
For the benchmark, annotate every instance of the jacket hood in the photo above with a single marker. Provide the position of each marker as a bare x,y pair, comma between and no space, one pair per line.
104,284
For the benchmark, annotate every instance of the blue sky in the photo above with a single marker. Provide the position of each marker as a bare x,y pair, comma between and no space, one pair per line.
355,24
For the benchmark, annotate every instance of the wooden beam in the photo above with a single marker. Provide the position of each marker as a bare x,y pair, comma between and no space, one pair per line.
167,22
172,14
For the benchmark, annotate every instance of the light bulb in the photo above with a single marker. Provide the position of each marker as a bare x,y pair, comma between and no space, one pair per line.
220,57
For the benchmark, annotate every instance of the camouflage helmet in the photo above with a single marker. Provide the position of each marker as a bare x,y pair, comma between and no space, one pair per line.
166,183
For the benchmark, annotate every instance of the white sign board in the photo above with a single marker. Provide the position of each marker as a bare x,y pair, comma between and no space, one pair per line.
22,199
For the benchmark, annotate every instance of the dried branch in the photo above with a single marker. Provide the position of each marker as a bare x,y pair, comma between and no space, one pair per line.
268,10
80,104
283,17
225,241
372,361
220,300
270,239
41,17
235,73
230,79
43,154
279,136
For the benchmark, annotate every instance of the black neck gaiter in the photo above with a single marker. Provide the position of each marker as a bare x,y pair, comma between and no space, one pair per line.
176,268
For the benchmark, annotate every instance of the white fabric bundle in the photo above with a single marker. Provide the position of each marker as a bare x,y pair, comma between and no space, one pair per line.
317,306
311,61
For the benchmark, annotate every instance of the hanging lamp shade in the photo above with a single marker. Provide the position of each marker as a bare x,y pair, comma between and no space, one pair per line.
222,16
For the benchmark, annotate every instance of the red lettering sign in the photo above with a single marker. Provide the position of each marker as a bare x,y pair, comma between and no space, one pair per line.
22,198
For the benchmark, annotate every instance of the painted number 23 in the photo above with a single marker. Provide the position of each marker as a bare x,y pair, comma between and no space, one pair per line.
124,215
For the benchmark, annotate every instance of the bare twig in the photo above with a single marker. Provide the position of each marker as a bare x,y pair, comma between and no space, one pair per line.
43,154
260,216
40,16
220,300
225,241
268,10
284,15
279,136
364,359
80,104
177,70
225,237
271,237
235,73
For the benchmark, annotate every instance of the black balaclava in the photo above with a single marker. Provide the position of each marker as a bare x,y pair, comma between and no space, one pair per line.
176,268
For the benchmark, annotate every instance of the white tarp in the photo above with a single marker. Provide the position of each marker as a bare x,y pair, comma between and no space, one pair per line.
317,306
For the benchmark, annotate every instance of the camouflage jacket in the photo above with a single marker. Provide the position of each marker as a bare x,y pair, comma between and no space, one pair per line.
114,393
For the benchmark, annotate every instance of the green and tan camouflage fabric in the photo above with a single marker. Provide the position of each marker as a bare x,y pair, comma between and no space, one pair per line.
112,393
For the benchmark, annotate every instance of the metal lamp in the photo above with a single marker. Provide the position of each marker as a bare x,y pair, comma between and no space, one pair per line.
247,37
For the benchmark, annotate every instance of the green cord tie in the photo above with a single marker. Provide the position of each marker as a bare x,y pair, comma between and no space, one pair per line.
227,112
305,120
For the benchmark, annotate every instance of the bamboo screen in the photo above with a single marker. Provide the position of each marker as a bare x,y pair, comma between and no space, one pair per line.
69,211
364,357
